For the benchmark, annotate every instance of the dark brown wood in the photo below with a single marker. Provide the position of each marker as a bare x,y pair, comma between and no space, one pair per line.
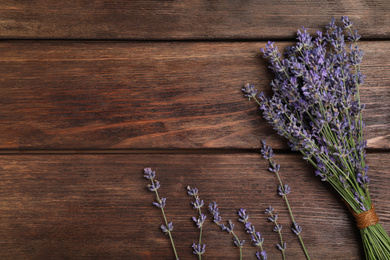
105,95
199,19
98,207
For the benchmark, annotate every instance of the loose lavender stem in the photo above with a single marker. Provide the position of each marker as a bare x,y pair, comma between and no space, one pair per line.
166,223
198,204
278,228
213,208
154,186
283,191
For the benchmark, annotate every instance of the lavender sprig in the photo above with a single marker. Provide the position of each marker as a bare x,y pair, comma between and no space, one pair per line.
257,238
160,203
278,228
199,249
213,208
283,190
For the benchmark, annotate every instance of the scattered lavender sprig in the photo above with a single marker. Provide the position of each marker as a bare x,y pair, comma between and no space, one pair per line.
213,208
278,228
283,190
154,186
257,238
199,249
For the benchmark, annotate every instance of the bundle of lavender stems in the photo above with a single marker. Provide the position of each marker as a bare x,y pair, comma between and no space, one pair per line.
316,107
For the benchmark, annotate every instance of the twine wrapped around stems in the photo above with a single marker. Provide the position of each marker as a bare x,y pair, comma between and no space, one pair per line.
366,218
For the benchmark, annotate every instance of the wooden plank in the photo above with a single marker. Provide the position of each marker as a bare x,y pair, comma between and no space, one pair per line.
98,207
146,19
104,95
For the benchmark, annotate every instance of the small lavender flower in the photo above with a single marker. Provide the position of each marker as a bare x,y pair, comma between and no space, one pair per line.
199,221
249,91
168,228
297,229
261,255
266,151
269,210
160,204
213,208
282,248
284,191
243,217
192,191
238,243
197,204
198,249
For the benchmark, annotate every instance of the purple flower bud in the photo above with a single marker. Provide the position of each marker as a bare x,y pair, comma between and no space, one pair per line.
243,217
278,227
285,191
160,204
197,204
166,229
282,248
269,210
149,174
297,229
198,249
261,255
238,243
192,191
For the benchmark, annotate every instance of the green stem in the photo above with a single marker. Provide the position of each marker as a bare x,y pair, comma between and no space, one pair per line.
166,223
290,211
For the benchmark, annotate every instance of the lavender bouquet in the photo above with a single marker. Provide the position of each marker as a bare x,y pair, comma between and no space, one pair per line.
316,106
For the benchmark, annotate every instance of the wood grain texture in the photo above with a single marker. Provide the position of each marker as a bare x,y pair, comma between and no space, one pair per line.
145,95
197,19
98,207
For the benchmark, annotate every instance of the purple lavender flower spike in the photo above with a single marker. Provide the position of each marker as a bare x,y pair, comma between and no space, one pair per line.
197,204
192,191
199,221
238,243
269,210
257,239
278,228
297,229
282,248
198,249
160,204
149,174
261,255
266,151
167,229
249,91
243,217
213,208
285,191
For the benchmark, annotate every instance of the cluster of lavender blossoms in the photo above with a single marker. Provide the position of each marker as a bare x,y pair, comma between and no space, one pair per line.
316,107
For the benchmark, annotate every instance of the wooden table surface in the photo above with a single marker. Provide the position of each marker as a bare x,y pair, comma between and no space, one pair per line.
93,91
